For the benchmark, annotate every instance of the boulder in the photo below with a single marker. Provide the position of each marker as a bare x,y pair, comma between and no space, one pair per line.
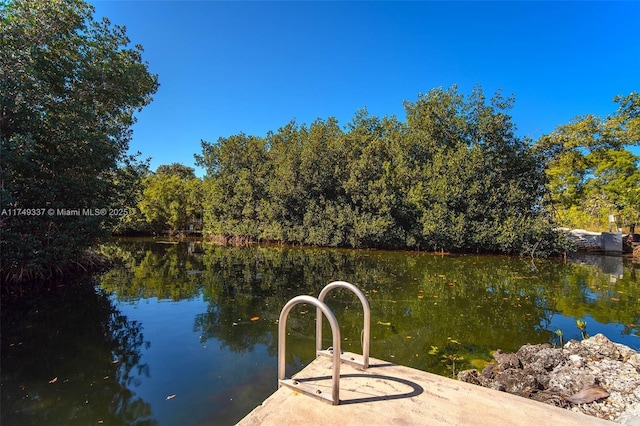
595,376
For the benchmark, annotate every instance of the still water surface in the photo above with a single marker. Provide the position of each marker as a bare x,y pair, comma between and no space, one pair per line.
186,334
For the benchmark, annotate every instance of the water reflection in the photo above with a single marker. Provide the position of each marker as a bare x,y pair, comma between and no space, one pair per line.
71,359
210,314
486,302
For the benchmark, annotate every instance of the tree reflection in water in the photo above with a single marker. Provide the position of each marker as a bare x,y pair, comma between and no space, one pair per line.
418,300
73,358
67,359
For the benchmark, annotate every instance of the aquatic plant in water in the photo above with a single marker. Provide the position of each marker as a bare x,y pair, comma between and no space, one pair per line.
582,326
449,354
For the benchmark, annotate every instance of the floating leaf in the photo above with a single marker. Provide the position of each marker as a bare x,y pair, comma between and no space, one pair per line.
384,323
55,379
171,396
255,318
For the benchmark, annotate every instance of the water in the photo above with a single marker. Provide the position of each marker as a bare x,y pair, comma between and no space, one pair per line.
186,334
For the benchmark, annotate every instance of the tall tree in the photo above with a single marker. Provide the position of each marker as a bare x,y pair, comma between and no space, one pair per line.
477,185
69,88
235,185
285,190
376,182
172,197
591,173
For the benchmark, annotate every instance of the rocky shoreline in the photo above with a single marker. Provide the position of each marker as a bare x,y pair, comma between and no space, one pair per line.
595,376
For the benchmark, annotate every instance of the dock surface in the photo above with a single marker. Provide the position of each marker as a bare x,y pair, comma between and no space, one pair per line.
390,394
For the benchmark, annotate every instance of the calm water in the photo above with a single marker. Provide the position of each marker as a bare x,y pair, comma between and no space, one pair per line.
181,334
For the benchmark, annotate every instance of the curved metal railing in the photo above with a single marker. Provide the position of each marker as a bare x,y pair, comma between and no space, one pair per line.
282,335
367,322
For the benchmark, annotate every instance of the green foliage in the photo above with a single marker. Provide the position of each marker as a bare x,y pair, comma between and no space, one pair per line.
480,185
69,88
453,177
582,326
590,172
449,355
134,221
235,186
171,198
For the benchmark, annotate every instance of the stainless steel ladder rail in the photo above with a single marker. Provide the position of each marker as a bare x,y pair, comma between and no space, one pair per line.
282,336
367,324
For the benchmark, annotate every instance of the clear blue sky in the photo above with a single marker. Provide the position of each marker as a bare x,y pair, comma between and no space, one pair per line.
231,67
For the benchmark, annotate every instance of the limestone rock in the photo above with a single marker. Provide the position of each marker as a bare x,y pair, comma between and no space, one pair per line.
506,361
601,347
595,376
634,360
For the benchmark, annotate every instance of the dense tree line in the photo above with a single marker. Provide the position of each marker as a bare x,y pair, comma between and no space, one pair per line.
69,88
453,177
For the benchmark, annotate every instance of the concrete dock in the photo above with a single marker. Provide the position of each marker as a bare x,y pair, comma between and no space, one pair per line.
390,394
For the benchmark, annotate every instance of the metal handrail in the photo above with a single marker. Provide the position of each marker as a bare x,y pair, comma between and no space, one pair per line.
335,330
367,319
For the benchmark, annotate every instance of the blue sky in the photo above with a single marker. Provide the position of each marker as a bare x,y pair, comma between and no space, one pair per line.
231,67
